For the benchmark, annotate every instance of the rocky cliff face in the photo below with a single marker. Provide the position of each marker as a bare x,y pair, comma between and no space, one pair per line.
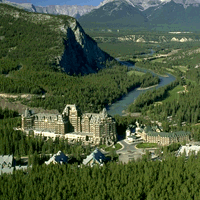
81,54
73,11
145,4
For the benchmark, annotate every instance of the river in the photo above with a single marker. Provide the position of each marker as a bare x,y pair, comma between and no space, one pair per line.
124,102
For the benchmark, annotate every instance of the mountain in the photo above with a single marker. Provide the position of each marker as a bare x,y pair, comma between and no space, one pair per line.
26,6
73,10
145,4
162,15
140,4
47,42
174,15
81,54
168,13
115,14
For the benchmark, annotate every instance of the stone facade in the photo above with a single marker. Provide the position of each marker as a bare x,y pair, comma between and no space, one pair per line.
155,134
163,138
44,122
72,124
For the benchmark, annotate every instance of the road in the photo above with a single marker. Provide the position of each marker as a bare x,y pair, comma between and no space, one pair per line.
129,152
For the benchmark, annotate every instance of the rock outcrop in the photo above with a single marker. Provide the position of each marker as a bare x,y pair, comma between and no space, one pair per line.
81,54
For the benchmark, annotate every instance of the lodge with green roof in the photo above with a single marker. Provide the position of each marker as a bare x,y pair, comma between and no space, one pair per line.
164,138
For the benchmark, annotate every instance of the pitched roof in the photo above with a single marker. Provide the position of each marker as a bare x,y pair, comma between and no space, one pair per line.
8,170
67,107
96,155
165,134
59,157
6,160
188,150
182,133
147,129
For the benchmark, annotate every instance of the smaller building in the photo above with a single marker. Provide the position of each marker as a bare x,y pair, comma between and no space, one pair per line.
6,164
154,134
59,158
132,138
164,138
188,150
96,157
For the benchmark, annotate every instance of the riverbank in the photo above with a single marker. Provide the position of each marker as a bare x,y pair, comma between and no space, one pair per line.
155,72
120,107
131,114
146,88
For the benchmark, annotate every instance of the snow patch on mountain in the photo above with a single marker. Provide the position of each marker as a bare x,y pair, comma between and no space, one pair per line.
145,4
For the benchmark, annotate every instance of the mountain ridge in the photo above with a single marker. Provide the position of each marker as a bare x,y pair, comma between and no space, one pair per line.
71,10
119,13
182,15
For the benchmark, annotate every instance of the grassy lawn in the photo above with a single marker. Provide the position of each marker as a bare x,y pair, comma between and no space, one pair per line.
122,49
170,70
181,68
147,145
158,60
137,73
117,147
173,94
191,82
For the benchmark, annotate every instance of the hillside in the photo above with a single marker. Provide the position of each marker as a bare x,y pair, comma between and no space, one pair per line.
47,42
174,16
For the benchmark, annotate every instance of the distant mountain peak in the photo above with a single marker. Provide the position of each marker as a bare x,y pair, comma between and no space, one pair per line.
78,11
145,4
108,1
71,10
116,13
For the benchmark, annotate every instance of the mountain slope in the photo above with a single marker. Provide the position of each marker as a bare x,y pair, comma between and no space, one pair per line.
174,16
55,42
140,4
169,13
116,14
145,4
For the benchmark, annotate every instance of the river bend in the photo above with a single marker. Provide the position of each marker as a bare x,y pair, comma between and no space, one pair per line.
124,102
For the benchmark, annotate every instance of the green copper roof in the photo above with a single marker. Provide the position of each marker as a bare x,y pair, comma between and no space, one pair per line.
147,129
165,134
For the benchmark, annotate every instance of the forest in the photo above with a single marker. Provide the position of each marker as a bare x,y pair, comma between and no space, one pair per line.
173,178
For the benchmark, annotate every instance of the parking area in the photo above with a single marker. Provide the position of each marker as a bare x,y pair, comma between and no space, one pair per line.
129,151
